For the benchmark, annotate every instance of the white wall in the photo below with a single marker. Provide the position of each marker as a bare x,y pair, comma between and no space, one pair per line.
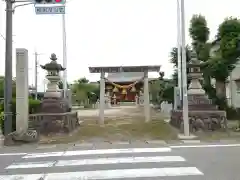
233,88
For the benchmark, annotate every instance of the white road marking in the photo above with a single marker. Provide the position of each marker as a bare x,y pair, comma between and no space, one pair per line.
98,151
30,165
111,174
205,146
116,151
80,162
22,177
13,154
152,159
50,154
40,155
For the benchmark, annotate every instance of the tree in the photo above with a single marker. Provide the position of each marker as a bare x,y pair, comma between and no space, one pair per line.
225,58
161,89
84,90
174,61
60,85
199,33
83,80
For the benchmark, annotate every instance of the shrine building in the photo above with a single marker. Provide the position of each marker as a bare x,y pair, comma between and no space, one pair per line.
123,84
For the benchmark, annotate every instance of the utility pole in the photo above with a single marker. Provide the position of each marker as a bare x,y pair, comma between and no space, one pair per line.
36,75
179,57
65,88
8,63
184,72
8,69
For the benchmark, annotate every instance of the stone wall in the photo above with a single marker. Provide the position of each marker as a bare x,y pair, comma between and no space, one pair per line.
45,123
200,120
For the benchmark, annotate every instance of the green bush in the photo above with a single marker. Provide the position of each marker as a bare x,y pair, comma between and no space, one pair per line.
233,113
33,107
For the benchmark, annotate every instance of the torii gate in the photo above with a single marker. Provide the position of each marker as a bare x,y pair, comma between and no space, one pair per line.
119,69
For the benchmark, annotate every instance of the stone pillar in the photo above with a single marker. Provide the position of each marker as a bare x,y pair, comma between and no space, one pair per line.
146,98
21,90
102,99
136,100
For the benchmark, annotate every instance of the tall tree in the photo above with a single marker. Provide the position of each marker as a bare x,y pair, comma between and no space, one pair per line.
161,89
225,58
199,33
84,90
174,60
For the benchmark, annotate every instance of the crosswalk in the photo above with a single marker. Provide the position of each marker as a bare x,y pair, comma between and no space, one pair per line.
100,164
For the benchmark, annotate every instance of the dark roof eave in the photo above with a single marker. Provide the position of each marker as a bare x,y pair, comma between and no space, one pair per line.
116,69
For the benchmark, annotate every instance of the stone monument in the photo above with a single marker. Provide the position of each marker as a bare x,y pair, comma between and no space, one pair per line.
203,115
22,133
54,113
22,90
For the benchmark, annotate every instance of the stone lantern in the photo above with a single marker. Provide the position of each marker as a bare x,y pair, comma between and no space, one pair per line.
195,75
197,98
53,76
53,101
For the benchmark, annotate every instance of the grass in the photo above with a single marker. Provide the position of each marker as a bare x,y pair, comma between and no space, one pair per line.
118,131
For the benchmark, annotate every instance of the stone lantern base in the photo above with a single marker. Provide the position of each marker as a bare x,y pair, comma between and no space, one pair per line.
203,115
55,117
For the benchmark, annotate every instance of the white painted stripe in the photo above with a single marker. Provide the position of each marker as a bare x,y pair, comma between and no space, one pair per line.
47,147
111,174
205,146
13,154
40,155
22,177
156,159
81,162
30,165
97,151
116,151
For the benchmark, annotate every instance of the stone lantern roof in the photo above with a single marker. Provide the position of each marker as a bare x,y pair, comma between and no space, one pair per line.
53,65
194,62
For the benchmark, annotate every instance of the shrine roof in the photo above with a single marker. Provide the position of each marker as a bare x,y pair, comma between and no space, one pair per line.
118,69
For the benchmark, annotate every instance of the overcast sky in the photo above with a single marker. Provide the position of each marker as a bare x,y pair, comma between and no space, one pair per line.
108,32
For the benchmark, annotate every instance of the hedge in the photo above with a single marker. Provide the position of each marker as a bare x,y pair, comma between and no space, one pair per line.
33,107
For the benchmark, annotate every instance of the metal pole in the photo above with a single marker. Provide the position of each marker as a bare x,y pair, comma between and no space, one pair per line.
179,50
64,55
8,69
36,75
184,73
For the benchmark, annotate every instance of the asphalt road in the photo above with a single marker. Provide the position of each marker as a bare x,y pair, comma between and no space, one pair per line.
129,163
